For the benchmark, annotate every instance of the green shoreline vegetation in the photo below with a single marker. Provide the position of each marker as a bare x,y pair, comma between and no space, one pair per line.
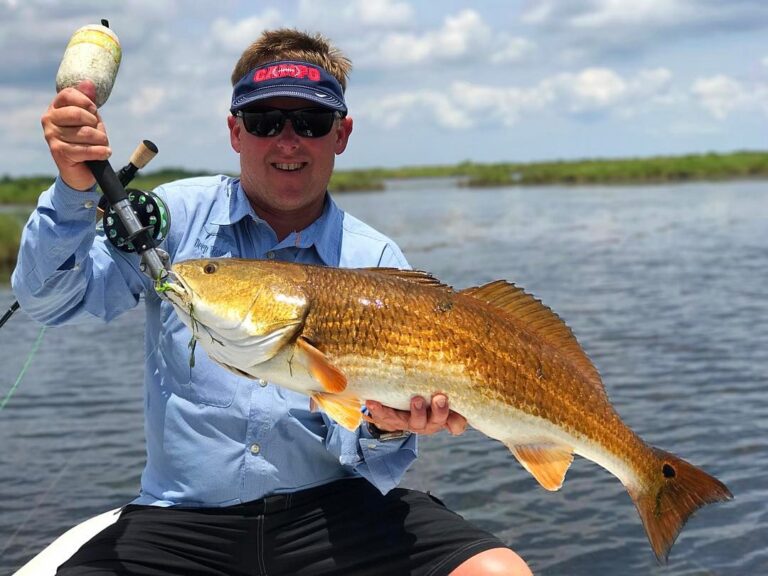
653,170
24,191
10,235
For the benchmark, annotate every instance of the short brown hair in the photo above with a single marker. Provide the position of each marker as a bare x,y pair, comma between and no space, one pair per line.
292,44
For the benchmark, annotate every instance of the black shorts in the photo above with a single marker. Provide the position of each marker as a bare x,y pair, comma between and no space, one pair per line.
343,528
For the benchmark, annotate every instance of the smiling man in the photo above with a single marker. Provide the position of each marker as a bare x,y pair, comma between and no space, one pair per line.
242,477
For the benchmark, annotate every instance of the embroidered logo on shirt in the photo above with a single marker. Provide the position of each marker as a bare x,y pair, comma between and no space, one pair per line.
211,249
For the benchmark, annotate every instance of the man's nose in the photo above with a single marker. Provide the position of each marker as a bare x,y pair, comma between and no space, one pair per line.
288,138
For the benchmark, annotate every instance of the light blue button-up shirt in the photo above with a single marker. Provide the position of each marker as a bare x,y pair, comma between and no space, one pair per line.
213,439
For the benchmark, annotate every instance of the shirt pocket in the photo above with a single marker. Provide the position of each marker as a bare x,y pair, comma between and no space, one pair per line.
210,384
190,372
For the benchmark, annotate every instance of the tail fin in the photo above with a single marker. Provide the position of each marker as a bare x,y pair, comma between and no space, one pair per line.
667,501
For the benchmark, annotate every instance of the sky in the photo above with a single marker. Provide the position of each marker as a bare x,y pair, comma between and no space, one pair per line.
433,82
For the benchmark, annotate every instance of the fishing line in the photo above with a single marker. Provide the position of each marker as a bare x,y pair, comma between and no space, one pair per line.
31,355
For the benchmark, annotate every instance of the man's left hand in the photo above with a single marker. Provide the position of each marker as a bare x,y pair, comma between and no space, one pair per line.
423,418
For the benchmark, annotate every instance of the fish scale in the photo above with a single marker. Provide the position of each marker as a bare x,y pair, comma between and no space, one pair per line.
441,338
507,363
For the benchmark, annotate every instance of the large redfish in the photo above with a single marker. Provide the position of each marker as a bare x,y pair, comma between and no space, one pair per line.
508,364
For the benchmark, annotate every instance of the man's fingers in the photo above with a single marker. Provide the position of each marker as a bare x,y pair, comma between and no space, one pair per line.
71,116
77,153
456,423
440,410
79,135
386,418
418,419
423,417
76,97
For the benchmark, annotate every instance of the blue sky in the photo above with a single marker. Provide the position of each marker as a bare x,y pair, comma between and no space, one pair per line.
433,82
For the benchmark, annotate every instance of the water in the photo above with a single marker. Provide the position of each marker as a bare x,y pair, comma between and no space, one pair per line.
666,288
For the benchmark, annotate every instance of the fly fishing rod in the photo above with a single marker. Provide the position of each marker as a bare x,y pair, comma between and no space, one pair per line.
94,54
134,220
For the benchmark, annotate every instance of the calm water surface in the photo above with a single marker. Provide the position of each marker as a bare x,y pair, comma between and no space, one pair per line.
665,287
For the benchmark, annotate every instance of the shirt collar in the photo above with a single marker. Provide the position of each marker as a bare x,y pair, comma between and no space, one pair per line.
233,207
324,233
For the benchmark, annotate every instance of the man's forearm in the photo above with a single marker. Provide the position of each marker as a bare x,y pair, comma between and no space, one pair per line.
60,274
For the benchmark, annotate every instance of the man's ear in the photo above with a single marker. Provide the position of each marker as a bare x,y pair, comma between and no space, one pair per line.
235,129
343,131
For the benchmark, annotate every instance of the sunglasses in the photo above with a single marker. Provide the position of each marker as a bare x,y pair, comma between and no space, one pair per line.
307,122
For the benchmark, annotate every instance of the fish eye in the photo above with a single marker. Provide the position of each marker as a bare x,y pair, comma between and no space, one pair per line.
210,268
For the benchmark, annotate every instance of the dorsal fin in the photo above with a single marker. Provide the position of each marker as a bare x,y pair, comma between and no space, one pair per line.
417,276
538,319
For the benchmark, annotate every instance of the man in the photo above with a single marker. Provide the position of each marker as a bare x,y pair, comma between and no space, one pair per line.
241,477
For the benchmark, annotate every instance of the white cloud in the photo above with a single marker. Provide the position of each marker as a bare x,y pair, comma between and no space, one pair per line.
464,104
236,36
591,89
606,14
379,13
461,36
721,95
512,50
600,90
621,26
146,100
506,104
392,111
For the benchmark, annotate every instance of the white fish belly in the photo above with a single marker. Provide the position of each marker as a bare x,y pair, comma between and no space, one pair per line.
514,427
394,384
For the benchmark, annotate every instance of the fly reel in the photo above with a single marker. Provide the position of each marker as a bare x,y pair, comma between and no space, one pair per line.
153,215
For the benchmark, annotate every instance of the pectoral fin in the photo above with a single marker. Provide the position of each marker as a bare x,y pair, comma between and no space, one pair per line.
317,364
548,463
344,410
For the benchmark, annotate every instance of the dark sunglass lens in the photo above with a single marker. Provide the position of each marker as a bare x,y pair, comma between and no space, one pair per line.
312,123
263,123
309,123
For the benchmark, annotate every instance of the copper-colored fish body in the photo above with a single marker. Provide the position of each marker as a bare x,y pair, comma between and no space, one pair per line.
506,361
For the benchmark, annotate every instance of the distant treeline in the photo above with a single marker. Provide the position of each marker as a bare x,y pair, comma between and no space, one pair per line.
693,167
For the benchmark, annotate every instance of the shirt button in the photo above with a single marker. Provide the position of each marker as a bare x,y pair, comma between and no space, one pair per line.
262,382
88,204
255,448
271,255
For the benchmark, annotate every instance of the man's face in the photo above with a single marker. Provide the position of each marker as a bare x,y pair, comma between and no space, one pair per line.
287,175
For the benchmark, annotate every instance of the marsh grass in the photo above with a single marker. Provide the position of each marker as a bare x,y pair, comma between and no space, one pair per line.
692,167
10,234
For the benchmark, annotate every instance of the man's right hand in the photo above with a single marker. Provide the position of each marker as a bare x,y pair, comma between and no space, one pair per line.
75,133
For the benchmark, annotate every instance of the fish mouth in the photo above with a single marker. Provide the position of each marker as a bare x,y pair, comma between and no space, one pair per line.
175,290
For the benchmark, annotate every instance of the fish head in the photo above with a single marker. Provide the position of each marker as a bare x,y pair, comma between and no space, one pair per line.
241,311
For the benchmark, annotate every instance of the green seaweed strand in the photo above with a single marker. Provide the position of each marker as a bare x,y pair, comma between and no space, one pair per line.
193,340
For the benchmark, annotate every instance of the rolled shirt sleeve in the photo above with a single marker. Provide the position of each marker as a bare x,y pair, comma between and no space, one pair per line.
382,463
